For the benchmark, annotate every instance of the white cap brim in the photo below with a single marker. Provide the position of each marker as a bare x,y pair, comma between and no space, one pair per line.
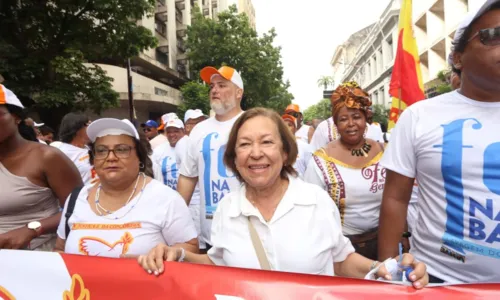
110,126
193,114
176,123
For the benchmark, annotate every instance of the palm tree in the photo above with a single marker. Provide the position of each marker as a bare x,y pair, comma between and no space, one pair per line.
325,82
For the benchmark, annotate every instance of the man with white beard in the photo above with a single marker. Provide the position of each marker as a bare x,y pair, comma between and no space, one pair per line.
203,163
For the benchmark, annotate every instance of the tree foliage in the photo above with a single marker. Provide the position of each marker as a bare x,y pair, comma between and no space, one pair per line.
230,40
325,82
380,114
320,110
45,44
194,96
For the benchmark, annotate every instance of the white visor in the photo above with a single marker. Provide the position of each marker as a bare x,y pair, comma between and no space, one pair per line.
110,126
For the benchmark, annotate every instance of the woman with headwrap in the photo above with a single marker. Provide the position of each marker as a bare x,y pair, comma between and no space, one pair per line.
348,169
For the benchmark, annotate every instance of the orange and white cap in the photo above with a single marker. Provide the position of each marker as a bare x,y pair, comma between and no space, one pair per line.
291,118
207,73
8,97
293,107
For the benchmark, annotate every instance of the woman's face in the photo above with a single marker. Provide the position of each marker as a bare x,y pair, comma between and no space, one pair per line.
259,152
351,125
8,123
122,164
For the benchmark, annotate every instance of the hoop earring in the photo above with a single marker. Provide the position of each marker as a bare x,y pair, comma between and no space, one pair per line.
141,166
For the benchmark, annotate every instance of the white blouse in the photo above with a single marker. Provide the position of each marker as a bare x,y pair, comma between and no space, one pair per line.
303,236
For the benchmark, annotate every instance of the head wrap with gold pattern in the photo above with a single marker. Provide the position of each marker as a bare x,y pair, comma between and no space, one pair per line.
351,95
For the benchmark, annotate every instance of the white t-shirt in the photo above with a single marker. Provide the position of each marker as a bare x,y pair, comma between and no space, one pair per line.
326,132
303,133
204,159
158,140
303,236
451,144
375,132
169,159
80,157
159,215
305,154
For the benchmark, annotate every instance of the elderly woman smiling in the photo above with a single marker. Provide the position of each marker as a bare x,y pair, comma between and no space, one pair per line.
275,221
128,212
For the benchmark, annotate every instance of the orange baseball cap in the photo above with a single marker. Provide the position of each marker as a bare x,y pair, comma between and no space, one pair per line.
8,97
226,72
291,118
293,107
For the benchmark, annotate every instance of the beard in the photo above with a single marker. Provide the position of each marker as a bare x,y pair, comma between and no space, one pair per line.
222,108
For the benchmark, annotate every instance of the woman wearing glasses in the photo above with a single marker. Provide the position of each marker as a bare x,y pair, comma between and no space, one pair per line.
127,212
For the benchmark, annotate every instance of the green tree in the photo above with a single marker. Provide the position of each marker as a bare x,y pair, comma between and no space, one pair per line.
380,114
194,96
45,44
320,110
230,40
325,82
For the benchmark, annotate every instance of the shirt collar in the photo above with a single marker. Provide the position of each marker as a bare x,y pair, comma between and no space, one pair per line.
294,195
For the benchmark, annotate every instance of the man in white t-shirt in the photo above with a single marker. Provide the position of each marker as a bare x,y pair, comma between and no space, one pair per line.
203,163
162,136
451,145
305,150
302,131
169,155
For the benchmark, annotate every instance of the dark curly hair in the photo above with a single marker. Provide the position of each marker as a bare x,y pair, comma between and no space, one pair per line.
143,151
26,131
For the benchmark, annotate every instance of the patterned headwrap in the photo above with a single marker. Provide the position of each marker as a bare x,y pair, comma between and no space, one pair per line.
351,95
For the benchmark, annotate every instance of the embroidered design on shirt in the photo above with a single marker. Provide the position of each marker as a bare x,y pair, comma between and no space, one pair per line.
78,290
91,226
94,246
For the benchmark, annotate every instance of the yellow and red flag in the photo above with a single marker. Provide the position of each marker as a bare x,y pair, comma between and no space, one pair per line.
406,85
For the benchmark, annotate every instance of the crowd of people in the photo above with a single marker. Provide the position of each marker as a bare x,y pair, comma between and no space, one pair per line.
256,189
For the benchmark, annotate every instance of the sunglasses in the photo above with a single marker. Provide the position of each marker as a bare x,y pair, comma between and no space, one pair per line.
293,114
147,129
488,36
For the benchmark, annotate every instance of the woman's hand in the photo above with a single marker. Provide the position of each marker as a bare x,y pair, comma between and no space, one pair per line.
17,239
418,276
153,262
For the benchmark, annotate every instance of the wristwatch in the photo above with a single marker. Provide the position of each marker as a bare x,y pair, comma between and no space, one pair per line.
36,226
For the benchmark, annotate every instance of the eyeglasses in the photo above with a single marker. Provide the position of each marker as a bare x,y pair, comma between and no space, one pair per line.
120,151
488,36
293,114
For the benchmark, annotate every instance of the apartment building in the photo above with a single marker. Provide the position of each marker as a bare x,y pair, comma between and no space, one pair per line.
244,6
157,74
435,22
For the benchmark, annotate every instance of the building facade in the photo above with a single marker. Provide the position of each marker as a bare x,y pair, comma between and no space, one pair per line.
244,6
435,22
158,73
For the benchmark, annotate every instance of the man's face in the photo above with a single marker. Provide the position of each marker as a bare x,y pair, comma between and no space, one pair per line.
224,95
49,138
296,115
174,134
150,132
480,64
189,125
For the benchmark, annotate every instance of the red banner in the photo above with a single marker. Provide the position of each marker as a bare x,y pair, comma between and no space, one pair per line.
35,275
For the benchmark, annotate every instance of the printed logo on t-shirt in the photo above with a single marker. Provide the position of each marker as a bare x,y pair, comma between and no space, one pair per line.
94,246
376,174
215,184
472,222
170,172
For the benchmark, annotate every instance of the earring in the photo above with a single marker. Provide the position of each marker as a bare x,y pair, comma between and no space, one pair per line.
141,166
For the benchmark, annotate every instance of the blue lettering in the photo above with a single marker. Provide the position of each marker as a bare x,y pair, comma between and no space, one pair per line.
164,170
491,168
221,167
487,211
476,229
207,159
494,236
451,170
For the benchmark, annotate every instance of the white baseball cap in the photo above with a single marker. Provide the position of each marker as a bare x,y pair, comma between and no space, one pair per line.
193,114
228,73
177,123
165,118
38,124
110,126
8,97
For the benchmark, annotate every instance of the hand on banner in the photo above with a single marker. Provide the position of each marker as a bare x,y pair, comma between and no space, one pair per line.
153,262
17,239
418,277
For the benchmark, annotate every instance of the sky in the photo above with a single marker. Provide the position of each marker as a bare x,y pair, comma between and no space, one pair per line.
308,32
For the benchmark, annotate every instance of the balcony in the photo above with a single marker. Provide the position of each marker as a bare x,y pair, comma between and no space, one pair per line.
182,70
181,30
161,11
179,4
181,45
206,11
214,3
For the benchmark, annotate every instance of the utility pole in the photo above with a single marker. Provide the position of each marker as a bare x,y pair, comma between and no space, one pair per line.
130,92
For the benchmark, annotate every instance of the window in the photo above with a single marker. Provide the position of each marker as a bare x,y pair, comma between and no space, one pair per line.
161,28
160,92
162,58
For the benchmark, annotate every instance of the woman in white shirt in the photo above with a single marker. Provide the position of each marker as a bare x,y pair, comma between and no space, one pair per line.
348,169
127,212
275,221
